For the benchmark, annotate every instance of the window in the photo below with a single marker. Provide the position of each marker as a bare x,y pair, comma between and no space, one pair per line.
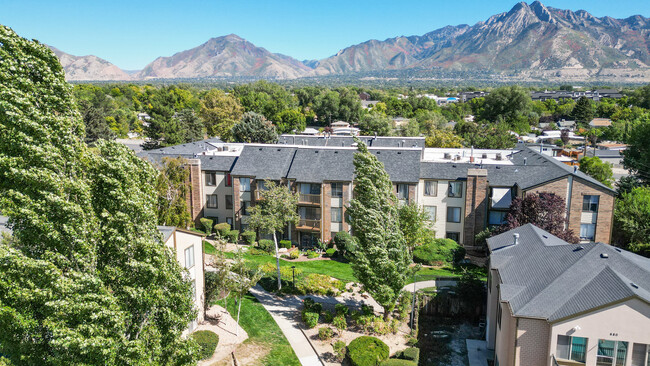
499,314
228,180
402,192
453,235
261,185
245,205
611,353
571,348
309,188
431,213
189,257
211,200
337,214
640,354
497,217
337,190
455,189
430,188
590,203
244,184
587,231
210,179
453,214
229,202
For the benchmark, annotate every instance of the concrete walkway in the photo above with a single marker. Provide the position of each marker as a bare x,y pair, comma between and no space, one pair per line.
286,313
431,283
477,352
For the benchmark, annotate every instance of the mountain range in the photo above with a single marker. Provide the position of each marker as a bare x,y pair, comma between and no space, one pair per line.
529,41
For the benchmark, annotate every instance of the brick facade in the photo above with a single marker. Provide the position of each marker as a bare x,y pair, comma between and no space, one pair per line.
236,203
558,187
326,213
195,195
476,194
605,209
532,343
346,203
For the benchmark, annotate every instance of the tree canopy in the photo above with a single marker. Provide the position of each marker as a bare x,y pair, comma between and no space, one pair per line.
254,128
636,157
598,169
632,221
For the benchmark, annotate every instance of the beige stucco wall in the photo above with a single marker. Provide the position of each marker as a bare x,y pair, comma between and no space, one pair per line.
532,342
221,191
505,337
441,201
626,321
180,241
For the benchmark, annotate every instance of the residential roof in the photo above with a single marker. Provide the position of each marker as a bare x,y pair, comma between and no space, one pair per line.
166,231
401,165
347,141
188,148
217,162
545,277
318,165
264,161
600,122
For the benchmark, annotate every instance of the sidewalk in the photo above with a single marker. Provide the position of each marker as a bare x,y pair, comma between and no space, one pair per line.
477,352
285,312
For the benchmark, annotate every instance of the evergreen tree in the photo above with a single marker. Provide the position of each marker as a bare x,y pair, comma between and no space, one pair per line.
85,279
583,112
254,128
381,261
636,157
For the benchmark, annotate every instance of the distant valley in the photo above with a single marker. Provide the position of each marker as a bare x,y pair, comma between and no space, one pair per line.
529,42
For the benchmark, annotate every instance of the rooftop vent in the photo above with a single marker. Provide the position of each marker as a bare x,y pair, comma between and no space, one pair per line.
499,156
525,161
575,169
604,255
515,239
579,248
634,285
447,156
484,156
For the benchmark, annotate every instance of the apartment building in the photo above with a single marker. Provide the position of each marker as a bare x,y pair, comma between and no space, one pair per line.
551,303
463,191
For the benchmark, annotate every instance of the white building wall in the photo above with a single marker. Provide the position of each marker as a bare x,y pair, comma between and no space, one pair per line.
221,190
441,201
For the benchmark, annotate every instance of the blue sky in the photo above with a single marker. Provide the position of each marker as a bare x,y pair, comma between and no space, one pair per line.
133,33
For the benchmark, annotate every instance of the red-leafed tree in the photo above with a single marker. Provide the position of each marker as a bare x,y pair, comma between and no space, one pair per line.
544,210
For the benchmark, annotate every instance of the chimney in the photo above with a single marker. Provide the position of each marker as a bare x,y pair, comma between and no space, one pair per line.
516,239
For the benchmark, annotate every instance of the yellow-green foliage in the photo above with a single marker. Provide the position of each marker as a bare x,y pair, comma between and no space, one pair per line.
286,272
319,284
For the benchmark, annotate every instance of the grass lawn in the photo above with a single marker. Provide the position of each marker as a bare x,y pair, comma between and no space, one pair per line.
208,248
263,330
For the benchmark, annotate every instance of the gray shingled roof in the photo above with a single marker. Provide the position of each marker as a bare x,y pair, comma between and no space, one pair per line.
188,148
544,277
217,162
402,166
166,231
347,141
264,161
318,165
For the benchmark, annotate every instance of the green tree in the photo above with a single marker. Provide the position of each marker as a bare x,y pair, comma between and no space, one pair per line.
171,193
191,124
96,125
583,112
508,103
254,128
598,169
85,279
381,260
242,279
636,157
220,112
443,138
272,213
632,221
413,224
290,121
326,107
375,123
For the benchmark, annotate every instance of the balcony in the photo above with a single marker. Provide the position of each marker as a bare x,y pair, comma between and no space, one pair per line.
308,224
309,199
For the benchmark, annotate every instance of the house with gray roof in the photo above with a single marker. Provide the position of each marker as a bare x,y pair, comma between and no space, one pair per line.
552,303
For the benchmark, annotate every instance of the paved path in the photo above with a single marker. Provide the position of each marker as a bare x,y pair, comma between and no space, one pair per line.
285,312
431,283
477,352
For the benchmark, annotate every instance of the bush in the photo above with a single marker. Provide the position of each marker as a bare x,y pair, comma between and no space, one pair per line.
330,252
294,254
311,305
255,251
207,341
249,237
345,243
367,310
341,309
328,316
285,244
410,354
367,351
266,245
398,362
207,225
339,350
311,254
318,284
436,252
233,236
310,319
325,333
222,229
339,322
269,268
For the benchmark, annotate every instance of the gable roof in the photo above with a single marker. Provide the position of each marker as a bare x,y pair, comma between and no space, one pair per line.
318,165
545,277
264,161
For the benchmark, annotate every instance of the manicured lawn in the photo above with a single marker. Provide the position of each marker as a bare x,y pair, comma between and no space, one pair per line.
208,248
263,330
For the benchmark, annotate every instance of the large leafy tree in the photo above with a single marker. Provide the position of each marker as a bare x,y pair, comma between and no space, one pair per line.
86,278
171,193
254,128
544,210
291,121
598,169
376,123
636,157
220,111
509,103
273,212
443,138
413,222
381,261
632,221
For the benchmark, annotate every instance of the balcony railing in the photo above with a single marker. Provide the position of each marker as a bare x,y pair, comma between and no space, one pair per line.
308,224
312,199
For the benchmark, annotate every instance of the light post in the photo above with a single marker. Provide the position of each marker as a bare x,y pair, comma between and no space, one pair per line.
293,270
413,305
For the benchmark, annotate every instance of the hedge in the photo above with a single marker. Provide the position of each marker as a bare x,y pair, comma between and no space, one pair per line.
285,244
410,354
436,251
310,318
233,236
367,351
207,341
207,225
398,362
249,237
266,245
222,229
